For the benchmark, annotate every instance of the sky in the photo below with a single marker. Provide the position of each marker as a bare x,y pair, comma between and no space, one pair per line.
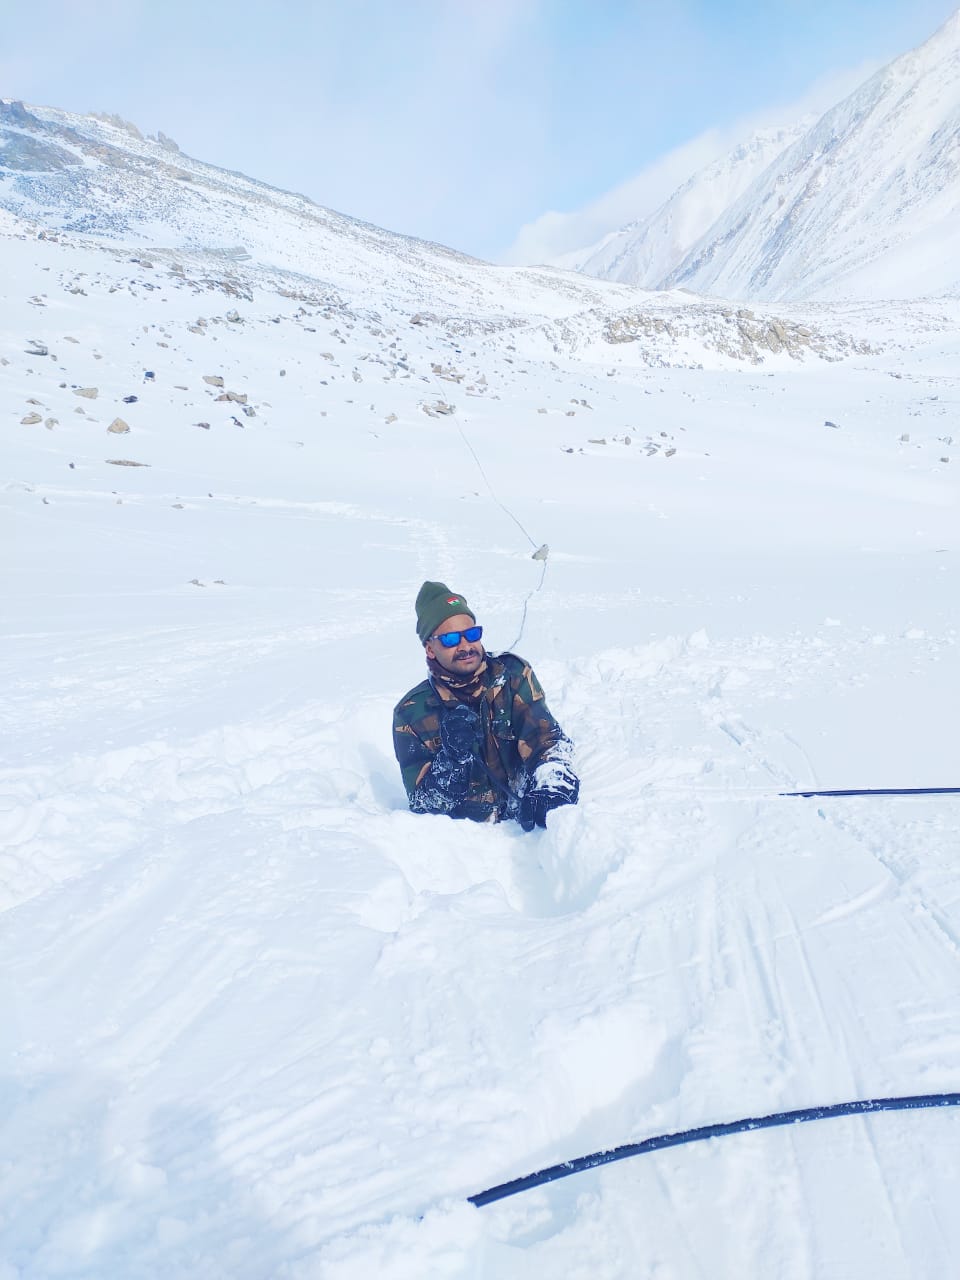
514,130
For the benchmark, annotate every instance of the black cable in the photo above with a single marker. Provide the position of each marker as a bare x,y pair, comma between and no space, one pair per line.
879,791
916,1102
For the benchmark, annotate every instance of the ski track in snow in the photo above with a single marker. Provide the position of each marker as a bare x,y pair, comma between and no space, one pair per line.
259,1020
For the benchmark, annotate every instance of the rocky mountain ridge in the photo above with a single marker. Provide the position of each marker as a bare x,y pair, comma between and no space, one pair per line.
94,183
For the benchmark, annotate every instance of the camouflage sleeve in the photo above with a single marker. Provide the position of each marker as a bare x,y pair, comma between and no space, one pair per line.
434,783
539,738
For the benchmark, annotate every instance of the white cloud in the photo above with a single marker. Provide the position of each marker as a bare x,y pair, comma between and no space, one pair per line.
554,235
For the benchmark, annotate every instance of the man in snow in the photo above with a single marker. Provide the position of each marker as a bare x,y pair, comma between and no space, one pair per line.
476,739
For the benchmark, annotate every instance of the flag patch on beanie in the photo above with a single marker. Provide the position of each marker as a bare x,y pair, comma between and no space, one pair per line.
454,600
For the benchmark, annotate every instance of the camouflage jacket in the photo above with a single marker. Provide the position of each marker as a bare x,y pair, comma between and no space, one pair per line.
519,733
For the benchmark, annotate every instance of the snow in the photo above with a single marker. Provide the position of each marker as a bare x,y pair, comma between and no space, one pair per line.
257,1019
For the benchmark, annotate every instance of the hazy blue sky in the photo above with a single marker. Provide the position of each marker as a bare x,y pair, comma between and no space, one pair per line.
457,120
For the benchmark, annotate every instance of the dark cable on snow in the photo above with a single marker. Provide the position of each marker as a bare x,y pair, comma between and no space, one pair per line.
915,1103
879,791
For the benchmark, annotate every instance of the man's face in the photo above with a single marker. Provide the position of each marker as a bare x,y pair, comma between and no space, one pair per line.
465,657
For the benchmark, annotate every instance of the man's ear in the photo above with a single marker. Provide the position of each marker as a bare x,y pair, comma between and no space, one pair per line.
429,650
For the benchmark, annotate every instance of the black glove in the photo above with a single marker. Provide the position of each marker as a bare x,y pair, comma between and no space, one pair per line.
460,733
553,784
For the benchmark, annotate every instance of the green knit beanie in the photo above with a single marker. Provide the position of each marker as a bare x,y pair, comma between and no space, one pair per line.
435,601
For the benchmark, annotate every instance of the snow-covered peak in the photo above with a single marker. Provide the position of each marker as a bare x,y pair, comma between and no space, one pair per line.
866,204
649,248
862,202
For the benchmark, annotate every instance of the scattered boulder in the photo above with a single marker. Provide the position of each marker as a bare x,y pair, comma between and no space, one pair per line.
438,409
235,396
119,427
50,423
88,393
30,419
35,348
124,462
213,379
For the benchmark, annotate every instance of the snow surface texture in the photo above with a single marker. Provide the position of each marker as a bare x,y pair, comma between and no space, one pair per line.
864,203
257,1019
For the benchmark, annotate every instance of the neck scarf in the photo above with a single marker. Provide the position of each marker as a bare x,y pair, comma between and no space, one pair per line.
454,688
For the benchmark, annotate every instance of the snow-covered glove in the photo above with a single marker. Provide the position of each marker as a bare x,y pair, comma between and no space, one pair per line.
460,733
553,784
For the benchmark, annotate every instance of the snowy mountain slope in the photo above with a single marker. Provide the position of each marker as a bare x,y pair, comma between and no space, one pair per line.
867,204
256,1019
88,182
646,251
861,203
81,174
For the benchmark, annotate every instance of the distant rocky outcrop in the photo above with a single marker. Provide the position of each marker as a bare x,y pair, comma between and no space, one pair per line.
31,152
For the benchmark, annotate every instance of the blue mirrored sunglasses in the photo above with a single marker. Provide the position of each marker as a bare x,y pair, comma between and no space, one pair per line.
450,639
